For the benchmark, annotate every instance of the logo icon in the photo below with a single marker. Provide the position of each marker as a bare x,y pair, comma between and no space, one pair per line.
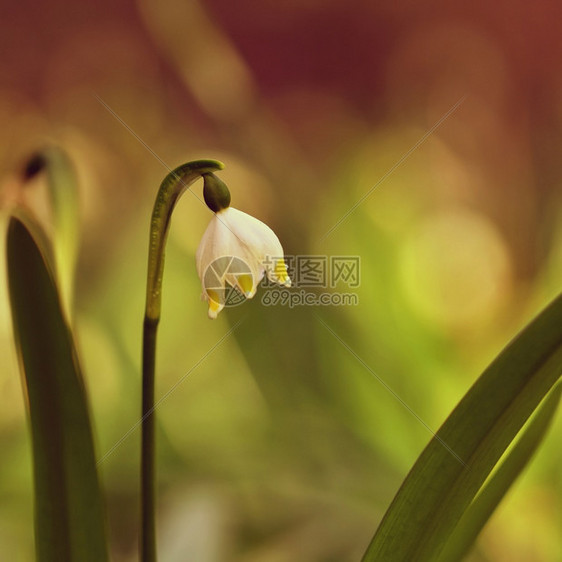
226,279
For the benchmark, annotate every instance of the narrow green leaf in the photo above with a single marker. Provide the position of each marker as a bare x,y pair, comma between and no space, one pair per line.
63,189
495,488
456,462
62,186
69,521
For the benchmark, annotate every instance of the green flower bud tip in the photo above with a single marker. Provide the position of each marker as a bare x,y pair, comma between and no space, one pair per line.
34,166
215,193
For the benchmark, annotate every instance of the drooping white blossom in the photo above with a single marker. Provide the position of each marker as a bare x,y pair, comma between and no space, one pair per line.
237,249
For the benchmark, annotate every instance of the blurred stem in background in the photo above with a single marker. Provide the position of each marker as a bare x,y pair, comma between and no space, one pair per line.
173,186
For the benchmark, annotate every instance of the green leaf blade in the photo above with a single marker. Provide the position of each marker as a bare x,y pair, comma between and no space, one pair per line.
69,517
439,488
489,497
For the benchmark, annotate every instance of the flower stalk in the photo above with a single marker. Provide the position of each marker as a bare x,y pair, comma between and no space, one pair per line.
173,186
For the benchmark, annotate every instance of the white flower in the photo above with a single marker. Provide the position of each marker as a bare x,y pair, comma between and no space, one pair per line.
237,249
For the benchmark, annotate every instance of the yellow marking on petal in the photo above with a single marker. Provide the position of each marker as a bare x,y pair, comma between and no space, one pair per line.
215,306
213,297
246,283
280,273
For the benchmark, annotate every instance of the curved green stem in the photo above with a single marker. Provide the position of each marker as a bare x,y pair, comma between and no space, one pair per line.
174,184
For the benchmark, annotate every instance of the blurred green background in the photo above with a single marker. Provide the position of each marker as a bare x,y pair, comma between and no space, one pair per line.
279,445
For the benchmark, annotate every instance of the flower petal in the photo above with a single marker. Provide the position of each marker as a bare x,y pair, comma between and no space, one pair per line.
237,249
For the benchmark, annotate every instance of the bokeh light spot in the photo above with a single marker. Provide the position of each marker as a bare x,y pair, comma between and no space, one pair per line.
455,268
